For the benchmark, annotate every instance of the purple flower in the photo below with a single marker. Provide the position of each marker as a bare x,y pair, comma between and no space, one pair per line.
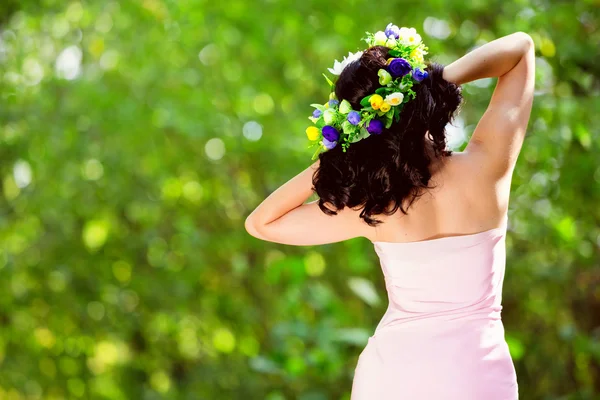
399,67
392,31
419,75
375,127
317,113
353,117
330,133
333,103
329,145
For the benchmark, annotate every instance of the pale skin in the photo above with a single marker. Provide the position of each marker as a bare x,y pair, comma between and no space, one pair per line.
473,186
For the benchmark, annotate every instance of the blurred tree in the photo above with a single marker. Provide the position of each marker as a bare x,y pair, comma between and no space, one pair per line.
136,137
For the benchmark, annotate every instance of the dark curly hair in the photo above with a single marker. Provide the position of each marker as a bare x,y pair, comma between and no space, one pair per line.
386,169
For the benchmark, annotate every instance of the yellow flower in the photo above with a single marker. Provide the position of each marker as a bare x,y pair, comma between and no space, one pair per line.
312,132
376,101
385,107
417,54
326,105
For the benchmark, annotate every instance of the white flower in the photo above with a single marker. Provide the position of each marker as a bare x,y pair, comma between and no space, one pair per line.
414,39
380,38
329,116
404,32
394,99
409,36
338,67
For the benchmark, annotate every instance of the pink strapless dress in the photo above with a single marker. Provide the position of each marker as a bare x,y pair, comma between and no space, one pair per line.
442,336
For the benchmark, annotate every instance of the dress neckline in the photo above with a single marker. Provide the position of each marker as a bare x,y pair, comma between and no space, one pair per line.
469,236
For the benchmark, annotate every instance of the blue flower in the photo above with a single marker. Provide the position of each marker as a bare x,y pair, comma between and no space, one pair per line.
328,144
317,113
375,127
392,31
419,75
399,67
333,103
353,117
330,133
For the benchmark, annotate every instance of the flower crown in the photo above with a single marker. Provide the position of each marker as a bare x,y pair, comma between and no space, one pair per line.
338,124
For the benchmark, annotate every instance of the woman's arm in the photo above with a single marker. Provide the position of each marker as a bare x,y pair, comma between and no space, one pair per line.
490,60
284,218
287,197
498,137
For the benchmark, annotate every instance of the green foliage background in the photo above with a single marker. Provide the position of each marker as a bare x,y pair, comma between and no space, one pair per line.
136,136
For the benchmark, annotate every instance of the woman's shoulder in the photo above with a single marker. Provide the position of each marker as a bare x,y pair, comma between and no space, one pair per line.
464,181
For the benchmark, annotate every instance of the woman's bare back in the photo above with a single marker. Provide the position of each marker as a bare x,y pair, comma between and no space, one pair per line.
458,203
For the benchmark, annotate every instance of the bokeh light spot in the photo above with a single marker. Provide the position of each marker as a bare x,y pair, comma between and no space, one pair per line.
192,191
263,104
437,28
122,271
60,27
109,60
92,170
22,173
515,346
252,131
95,233
224,340
95,310
68,63
74,12
214,149
365,290
314,264
33,72
104,23
160,381
547,47
45,337
209,54
10,188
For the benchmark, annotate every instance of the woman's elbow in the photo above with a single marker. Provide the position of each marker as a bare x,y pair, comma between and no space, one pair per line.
251,227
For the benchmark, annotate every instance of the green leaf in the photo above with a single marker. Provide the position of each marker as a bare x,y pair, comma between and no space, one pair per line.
395,53
320,123
397,111
389,118
316,153
347,127
383,90
328,81
365,101
361,134
320,107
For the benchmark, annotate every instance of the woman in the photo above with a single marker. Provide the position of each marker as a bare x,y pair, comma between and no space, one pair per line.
443,260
